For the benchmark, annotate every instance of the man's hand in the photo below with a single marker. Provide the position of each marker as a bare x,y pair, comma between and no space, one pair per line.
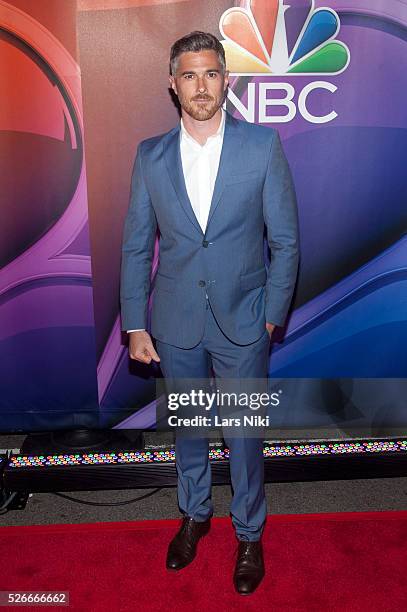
141,347
270,328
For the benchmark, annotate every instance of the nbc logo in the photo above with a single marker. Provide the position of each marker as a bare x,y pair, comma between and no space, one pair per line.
271,38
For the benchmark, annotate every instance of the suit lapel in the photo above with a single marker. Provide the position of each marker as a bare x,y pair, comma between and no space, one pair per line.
172,154
230,150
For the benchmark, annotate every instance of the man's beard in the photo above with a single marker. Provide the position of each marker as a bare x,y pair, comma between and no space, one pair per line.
200,111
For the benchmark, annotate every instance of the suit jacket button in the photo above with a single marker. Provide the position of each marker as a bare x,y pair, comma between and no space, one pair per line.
201,283
205,244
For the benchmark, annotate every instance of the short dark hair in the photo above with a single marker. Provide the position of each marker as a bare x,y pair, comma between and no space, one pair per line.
196,41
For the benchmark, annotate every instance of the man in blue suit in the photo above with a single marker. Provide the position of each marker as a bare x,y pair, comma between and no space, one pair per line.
210,185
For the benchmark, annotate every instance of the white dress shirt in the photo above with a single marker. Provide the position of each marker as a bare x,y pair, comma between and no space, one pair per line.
200,165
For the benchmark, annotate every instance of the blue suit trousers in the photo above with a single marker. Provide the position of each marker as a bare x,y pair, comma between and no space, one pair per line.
228,360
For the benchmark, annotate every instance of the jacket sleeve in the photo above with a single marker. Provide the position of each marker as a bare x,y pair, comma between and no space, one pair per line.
281,219
137,251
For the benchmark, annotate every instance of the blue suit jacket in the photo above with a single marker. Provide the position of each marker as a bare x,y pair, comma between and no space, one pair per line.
253,187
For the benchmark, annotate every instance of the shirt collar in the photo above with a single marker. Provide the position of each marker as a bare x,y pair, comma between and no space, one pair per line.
217,136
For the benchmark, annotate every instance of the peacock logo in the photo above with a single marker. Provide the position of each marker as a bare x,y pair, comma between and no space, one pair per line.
282,37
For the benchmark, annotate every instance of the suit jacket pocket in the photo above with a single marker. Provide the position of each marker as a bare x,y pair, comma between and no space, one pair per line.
164,283
253,279
242,177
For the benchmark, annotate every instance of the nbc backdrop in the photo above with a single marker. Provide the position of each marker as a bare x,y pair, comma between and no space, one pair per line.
329,75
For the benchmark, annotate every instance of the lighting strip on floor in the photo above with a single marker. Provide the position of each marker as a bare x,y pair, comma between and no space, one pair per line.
215,453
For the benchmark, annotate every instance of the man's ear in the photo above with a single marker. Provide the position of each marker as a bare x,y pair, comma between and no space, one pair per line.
226,80
172,84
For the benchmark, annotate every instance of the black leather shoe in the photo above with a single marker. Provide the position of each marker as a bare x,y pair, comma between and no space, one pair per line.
182,548
249,570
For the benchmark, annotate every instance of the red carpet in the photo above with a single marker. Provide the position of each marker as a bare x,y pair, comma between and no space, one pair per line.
340,561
